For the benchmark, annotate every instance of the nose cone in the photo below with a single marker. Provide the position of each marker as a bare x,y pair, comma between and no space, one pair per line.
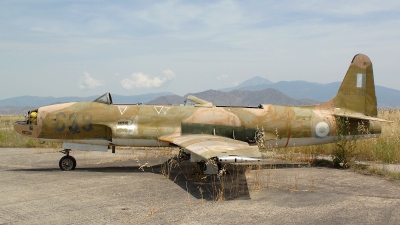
25,129
28,127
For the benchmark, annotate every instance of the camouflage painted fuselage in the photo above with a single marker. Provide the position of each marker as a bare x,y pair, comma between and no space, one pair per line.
146,125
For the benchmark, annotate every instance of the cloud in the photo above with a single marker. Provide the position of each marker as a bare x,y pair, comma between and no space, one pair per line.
141,80
89,82
223,77
170,75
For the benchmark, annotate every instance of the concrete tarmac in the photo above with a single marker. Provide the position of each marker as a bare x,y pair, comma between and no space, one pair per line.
129,188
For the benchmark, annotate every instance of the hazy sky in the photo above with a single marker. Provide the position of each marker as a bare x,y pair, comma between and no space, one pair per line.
83,48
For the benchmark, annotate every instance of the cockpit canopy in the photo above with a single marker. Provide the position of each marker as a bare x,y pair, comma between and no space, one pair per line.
106,99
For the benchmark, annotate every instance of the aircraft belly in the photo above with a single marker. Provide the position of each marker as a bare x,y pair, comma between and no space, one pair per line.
90,147
86,141
139,142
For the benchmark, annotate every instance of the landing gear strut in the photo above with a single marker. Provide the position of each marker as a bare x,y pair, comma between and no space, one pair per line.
212,166
183,156
67,162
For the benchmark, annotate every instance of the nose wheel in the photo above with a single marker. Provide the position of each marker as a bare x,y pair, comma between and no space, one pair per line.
67,162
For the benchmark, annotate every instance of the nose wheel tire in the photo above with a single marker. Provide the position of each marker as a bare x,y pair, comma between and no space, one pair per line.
67,163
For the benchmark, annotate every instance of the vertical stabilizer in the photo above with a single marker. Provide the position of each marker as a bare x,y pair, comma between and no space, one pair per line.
357,91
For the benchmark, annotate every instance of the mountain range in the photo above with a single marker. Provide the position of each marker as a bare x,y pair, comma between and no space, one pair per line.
237,98
34,101
22,104
251,92
386,97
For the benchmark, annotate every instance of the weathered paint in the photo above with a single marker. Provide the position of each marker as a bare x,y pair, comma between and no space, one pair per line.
193,126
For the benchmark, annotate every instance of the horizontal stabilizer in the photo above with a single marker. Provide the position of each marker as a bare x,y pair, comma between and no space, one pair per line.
362,117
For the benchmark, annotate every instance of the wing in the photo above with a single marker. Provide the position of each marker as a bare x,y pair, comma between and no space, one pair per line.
203,147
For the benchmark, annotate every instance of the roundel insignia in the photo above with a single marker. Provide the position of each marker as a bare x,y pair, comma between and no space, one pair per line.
322,129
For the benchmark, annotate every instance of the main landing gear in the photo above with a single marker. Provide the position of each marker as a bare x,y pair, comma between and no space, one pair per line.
212,166
67,162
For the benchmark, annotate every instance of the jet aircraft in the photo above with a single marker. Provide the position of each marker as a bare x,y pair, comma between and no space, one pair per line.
205,132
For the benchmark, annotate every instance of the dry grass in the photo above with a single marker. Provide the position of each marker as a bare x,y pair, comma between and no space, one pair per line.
384,149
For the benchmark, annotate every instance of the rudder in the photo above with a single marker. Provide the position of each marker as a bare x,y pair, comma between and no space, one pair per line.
357,91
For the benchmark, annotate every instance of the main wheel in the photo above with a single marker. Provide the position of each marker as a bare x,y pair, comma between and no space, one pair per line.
67,163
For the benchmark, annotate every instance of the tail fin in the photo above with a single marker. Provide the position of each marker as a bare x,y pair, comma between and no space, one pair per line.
357,92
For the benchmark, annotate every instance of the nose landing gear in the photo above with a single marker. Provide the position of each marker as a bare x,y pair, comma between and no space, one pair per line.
67,162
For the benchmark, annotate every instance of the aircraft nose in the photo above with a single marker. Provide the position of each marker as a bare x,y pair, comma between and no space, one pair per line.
28,127
22,127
